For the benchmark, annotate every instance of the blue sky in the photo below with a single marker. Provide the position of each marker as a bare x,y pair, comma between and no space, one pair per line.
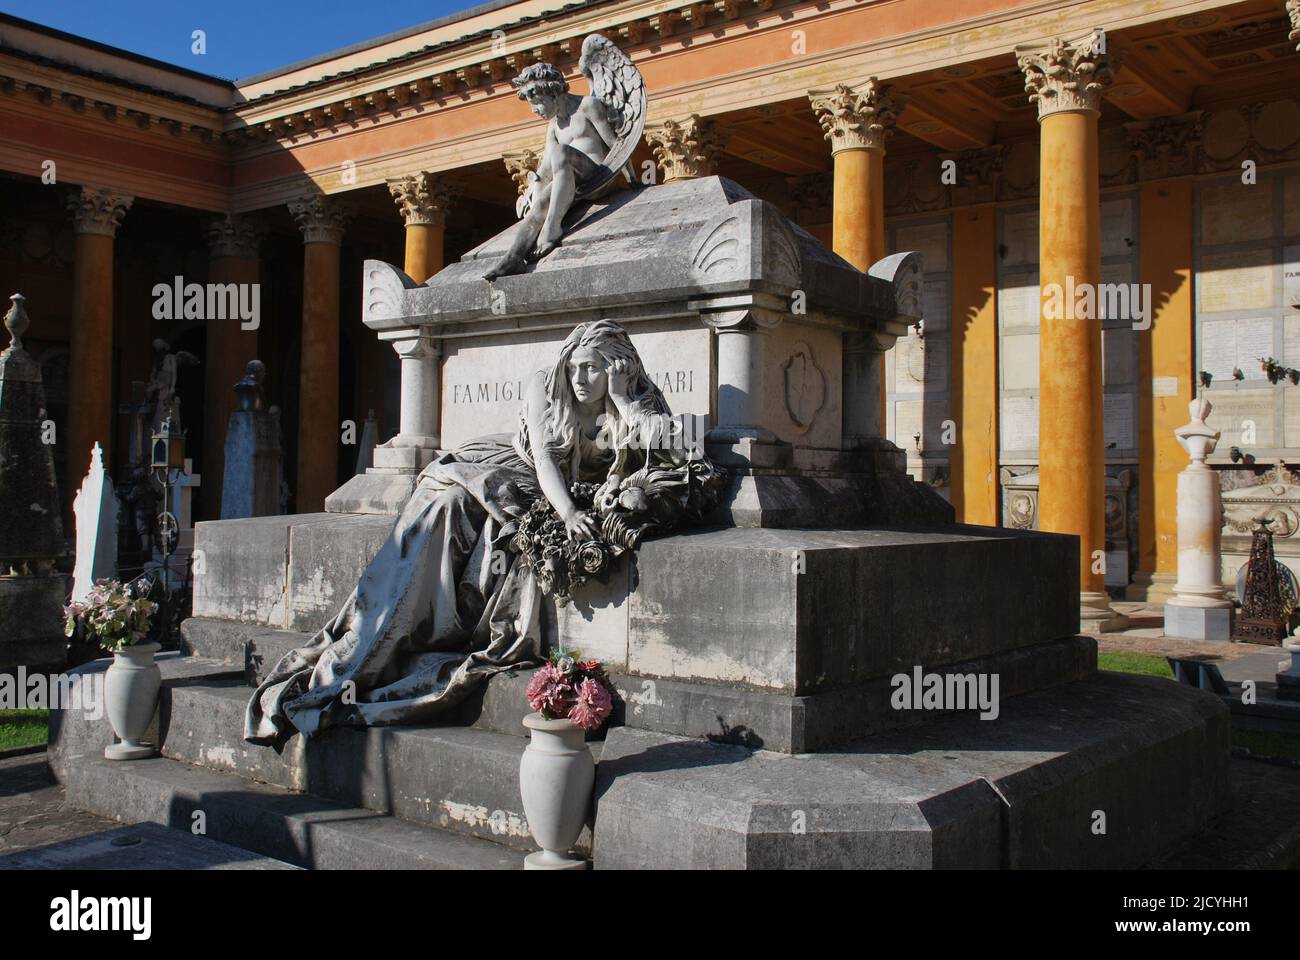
244,37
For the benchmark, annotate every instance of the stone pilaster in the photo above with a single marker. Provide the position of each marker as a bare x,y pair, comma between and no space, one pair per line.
96,214
686,149
1166,146
322,221
1065,80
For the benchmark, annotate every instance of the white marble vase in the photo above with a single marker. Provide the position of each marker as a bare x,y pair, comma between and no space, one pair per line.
130,697
556,774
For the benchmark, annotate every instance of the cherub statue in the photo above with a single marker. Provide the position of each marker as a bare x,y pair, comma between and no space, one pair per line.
589,141
162,383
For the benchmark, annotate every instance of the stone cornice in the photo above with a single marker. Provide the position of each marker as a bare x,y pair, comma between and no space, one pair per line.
98,210
860,117
321,219
1066,76
234,236
423,198
686,148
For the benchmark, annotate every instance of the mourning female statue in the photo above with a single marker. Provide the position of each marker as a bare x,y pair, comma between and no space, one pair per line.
454,594
589,141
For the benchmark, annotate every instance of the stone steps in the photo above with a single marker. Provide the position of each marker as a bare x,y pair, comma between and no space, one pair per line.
463,779
273,822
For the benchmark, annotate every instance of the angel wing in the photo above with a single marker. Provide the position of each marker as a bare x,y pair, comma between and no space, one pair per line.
187,358
617,83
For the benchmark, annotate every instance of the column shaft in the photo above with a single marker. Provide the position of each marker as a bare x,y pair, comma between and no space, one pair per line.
974,458
858,218
1071,449
318,378
90,375
424,250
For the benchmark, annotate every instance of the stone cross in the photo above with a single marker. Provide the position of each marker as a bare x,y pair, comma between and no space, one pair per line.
95,508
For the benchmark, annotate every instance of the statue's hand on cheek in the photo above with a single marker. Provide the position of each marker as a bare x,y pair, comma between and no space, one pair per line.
619,376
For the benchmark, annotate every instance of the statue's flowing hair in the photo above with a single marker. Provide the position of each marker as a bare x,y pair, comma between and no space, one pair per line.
612,343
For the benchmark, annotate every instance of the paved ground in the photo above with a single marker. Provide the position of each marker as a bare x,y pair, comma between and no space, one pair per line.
1262,830
1145,634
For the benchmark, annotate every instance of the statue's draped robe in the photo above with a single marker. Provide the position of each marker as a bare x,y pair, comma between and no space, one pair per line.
443,605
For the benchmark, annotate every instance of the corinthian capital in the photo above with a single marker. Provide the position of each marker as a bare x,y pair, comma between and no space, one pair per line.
1063,76
519,163
423,198
1293,11
686,149
858,118
320,219
98,210
234,236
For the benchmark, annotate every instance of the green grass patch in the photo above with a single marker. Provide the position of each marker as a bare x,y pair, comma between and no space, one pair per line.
1143,663
23,728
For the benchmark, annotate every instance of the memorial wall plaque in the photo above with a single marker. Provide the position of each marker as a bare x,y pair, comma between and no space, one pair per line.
1291,277
1232,212
1117,422
934,304
1119,350
1291,205
1019,304
1234,411
930,240
921,363
1019,423
1241,280
908,416
1020,237
1116,227
1226,344
1291,340
1019,362
1291,417
1164,386
482,384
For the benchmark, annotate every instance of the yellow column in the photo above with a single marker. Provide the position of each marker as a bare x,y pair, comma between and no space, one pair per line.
96,214
1166,377
322,222
974,459
857,121
423,200
233,245
686,149
1066,81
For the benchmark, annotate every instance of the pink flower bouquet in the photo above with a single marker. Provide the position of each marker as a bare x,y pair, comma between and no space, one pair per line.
569,688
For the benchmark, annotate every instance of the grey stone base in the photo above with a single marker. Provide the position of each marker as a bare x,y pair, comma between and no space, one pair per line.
31,613
721,713
1198,623
1021,791
375,492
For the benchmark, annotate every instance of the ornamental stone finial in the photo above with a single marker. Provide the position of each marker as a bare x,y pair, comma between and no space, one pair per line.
686,149
234,236
17,321
423,198
858,118
98,210
1063,76
320,218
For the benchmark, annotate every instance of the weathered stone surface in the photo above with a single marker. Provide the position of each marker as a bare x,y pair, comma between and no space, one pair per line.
1020,791
297,829
154,847
31,614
